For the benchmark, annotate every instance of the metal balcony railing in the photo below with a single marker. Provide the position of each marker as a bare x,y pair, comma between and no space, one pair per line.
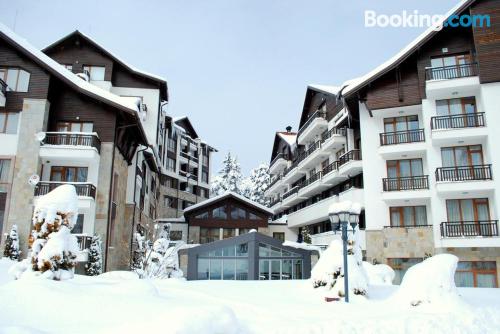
292,191
333,131
474,120
279,156
402,137
331,167
406,183
72,139
310,180
274,202
317,114
451,72
481,228
82,189
349,156
464,173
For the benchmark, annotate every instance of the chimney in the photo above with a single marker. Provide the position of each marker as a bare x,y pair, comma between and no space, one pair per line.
289,129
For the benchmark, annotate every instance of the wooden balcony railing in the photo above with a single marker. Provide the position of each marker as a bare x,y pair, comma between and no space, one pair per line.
72,139
406,183
84,241
331,167
82,189
317,114
464,173
451,72
333,131
482,228
402,137
474,120
349,156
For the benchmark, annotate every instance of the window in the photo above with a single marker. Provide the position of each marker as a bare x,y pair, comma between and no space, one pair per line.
204,176
279,236
402,216
226,263
205,160
203,215
400,266
68,174
171,202
253,216
228,233
4,171
339,153
171,145
170,182
175,235
69,67
8,122
404,168
277,269
209,235
468,210
75,127
454,66
402,123
186,204
219,213
462,156
96,73
171,164
465,105
480,274
238,213
17,80
78,228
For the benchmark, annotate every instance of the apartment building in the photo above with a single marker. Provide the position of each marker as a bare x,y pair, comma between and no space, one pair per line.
429,165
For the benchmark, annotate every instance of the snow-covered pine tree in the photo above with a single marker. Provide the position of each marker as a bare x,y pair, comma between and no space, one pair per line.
94,264
229,177
256,184
306,235
12,245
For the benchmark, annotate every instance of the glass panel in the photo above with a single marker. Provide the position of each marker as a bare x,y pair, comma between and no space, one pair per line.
78,228
242,270
485,265
455,106
263,269
4,170
242,250
23,82
464,265
297,269
420,215
264,250
12,78
228,233
286,269
392,170
215,269
404,168
483,212
467,207
238,213
442,108
203,215
450,61
464,279
12,120
228,251
275,269
417,168
82,174
229,269
453,210
253,216
401,124
395,217
97,73
486,280
203,268
447,157
70,174
436,62
461,157
286,253
412,122
56,174
219,213
3,119
408,215
275,252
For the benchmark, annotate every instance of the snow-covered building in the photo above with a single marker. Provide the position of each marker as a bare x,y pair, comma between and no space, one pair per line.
424,122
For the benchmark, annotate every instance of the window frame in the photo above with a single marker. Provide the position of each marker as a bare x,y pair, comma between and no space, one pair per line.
401,211
476,271
470,152
475,204
4,126
64,172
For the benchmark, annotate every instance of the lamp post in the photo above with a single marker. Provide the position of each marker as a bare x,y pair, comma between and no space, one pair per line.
339,220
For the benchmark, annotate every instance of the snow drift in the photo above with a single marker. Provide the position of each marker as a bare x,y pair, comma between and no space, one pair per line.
379,274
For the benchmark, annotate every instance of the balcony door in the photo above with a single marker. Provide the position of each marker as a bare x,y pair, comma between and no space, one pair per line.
469,217
405,126
462,156
454,66
68,174
75,127
461,113
405,174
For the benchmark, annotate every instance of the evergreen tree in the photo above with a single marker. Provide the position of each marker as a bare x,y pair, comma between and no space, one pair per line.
94,264
229,178
256,184
306,236
12,245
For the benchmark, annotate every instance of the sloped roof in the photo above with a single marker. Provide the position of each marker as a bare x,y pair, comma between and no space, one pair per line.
289,137
325,89
113,56
226,195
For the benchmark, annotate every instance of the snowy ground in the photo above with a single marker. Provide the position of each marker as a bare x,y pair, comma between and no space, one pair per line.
118,303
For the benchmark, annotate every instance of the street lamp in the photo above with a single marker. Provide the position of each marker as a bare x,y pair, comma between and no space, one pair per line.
340,215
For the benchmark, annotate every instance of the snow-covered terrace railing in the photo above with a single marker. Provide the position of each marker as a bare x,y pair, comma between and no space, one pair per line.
483,228
73,139
451,72
82,189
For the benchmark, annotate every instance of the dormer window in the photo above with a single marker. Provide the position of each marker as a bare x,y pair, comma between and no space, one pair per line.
17,79
95,73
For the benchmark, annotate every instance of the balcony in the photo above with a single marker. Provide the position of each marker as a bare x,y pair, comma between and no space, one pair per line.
278,164
186,157
390,143
311,214
71,146
460,179
274,202
292,173
469,128
331,174
333,139
292,197
350,163
314,126
82,189
3,93
312,157
312,185
406,183
484,228
442,82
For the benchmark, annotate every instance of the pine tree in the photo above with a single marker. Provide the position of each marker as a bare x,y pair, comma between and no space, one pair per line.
256,184
229,178
306,236
94,264
12,245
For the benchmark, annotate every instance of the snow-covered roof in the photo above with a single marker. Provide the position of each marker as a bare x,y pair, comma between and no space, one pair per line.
179,118
325,89
355,84
67,76
289,137
171,220
111,54
229,194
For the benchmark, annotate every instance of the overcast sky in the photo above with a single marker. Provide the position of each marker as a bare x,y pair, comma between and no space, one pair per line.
238,68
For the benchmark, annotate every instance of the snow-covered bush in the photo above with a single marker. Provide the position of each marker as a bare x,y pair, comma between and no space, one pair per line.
11,250
54,248
94,264
329,270
254,186
430,282
379,274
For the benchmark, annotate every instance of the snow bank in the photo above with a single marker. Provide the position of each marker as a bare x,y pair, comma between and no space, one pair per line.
430,282
379,274
302,245
345,206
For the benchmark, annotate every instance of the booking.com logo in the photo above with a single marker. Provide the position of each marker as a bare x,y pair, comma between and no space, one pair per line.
416,20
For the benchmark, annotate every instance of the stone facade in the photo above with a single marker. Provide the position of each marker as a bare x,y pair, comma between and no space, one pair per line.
33,119
399,243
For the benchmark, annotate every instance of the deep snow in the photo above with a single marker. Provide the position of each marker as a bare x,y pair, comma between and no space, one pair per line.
118,302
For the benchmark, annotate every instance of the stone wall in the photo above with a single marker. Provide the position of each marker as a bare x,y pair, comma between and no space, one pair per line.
33,119
399,243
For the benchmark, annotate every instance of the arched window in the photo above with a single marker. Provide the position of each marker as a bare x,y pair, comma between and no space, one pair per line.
219,213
